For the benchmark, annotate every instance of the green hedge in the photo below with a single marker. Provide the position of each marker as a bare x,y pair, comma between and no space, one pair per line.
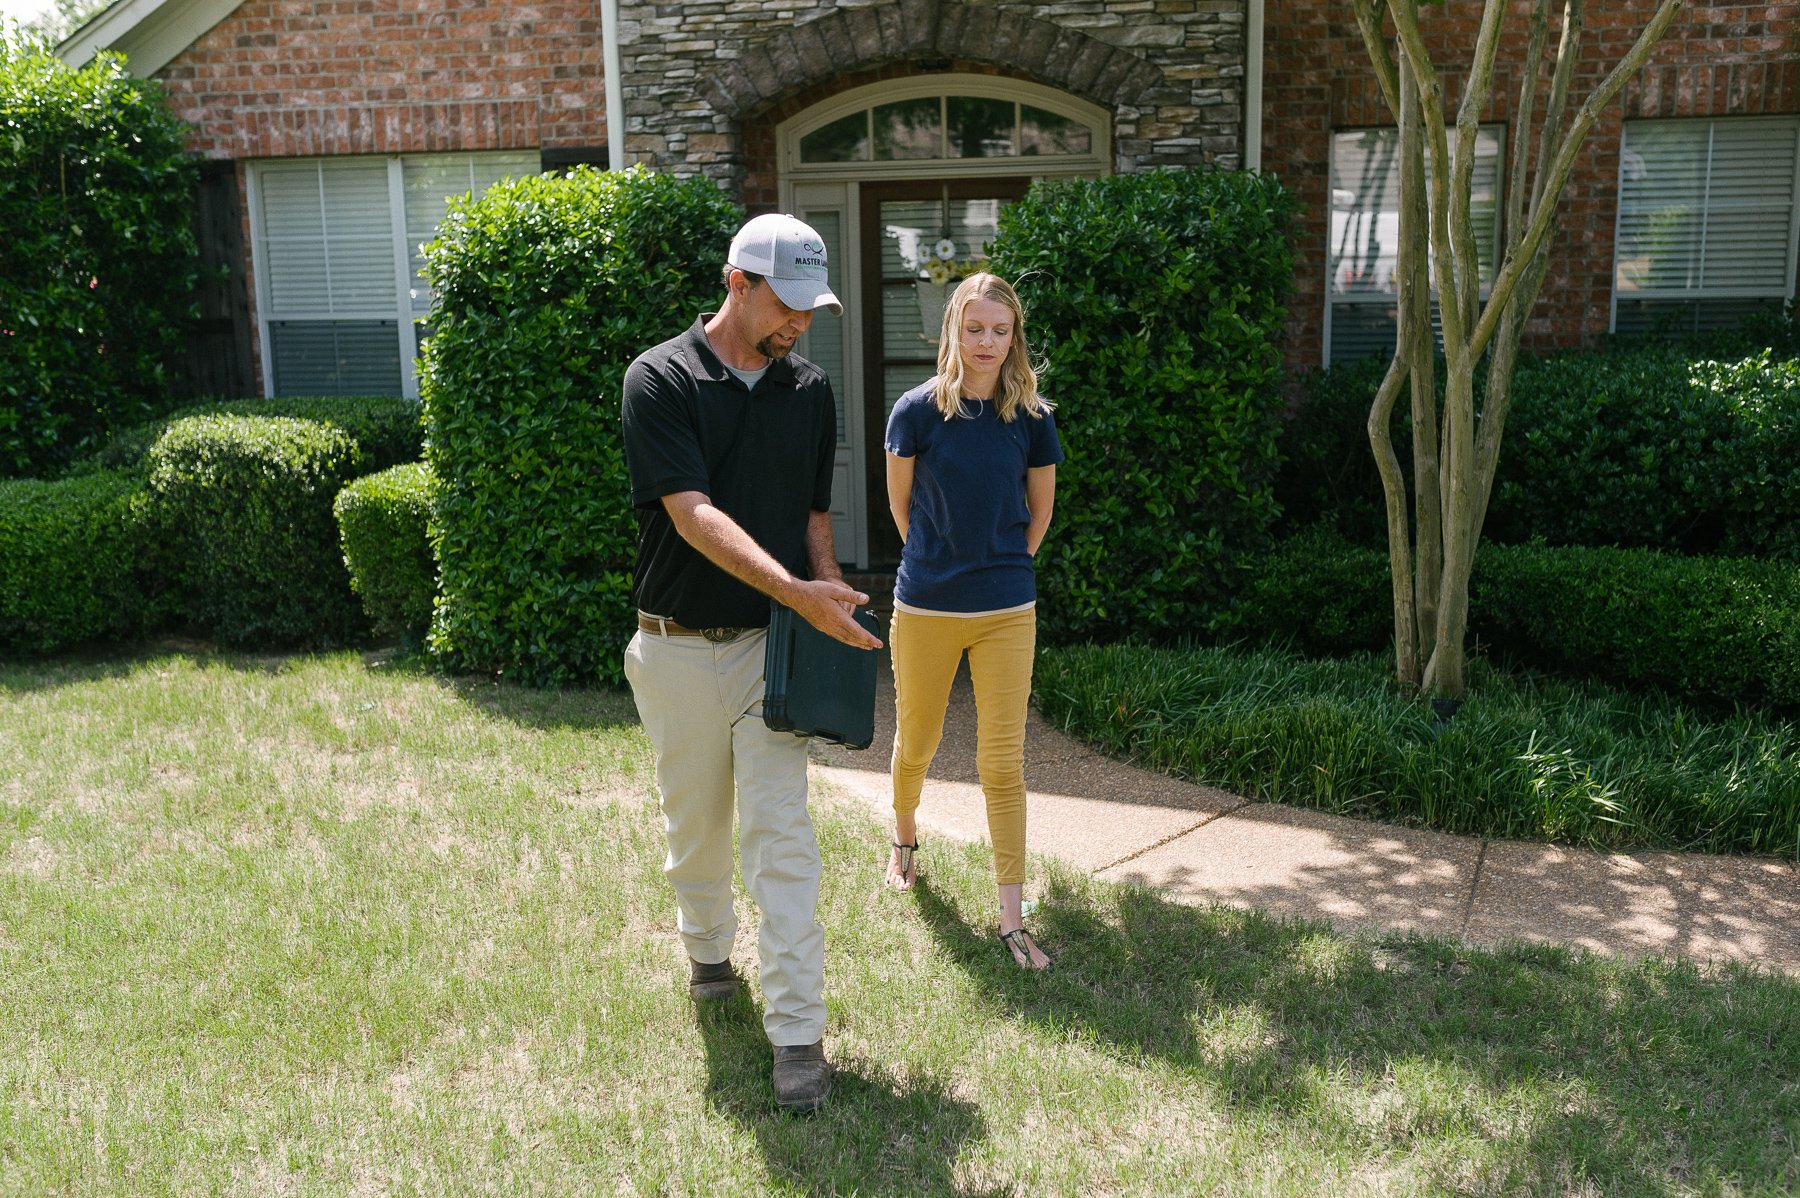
97,254
1644,447
1653,449
1157,301
384,525
547,288
386,427
1705,628
72,566
244,505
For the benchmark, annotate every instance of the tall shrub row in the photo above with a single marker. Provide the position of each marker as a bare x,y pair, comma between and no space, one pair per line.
1654,446
97,254
547,287
1157,301
1702,628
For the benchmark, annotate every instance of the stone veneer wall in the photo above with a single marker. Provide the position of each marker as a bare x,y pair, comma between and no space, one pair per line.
696,74
1716,60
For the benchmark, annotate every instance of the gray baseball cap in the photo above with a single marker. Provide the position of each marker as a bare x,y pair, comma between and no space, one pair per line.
790,254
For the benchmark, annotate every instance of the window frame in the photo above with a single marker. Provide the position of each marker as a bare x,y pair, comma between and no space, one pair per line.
399,309
1097,159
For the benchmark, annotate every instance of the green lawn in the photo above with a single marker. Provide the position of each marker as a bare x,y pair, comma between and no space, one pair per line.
331,925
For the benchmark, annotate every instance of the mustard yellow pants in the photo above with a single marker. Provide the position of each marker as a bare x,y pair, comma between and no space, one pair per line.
927,650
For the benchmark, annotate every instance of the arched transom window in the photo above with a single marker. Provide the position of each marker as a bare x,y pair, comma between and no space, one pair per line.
962,123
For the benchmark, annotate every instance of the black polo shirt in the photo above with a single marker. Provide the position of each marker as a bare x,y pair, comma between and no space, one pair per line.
763,457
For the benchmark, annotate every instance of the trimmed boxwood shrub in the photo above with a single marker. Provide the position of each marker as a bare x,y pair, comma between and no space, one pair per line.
245,505
1657,450
1156,301
385,426
71,562
97,257
1704,628
547,288
1646,447
384,524
1327,469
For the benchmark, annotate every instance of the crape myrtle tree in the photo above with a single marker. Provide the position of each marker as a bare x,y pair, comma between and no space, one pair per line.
1455,452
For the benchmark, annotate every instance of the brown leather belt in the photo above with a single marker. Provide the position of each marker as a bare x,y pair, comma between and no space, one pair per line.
666,627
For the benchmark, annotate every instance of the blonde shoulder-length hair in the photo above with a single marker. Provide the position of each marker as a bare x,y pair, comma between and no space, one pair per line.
1018,390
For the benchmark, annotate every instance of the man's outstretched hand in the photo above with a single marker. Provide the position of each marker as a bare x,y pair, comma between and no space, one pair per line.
826,604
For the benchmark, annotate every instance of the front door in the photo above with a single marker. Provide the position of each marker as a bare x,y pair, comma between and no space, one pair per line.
919,237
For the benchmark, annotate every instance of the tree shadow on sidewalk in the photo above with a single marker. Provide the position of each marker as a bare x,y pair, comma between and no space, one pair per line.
1265,1011
874,1135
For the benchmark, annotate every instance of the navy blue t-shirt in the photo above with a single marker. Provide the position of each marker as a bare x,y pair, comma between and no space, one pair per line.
967,526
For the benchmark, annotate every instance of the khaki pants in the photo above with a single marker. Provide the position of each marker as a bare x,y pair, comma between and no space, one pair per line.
701,703
927,650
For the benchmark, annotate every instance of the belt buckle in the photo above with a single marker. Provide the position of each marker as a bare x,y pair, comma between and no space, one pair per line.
719,636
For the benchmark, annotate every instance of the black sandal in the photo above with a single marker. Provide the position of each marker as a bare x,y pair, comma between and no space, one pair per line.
906,874
1019,944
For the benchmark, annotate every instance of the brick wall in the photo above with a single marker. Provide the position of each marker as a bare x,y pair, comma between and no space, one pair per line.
1717,60
281,78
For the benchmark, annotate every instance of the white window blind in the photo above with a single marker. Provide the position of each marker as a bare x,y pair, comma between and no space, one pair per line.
1707,220
1361,291
337,245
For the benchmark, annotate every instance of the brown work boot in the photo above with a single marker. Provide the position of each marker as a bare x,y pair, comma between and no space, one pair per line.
711,981
802,1076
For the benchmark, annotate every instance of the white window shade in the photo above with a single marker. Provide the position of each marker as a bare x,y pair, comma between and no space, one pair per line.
1707,217
330,239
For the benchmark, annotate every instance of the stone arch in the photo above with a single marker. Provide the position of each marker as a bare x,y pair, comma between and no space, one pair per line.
910,30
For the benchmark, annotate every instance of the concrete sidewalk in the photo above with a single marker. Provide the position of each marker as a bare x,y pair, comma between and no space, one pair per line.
1200,845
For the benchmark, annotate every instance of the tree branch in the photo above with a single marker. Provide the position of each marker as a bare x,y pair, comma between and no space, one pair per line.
1521,122
1368,19
1431,103
1476,89
1550,190
1568,51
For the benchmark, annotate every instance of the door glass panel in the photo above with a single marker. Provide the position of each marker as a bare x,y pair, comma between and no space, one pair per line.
916,279
980,128
844,140
897,381
908,129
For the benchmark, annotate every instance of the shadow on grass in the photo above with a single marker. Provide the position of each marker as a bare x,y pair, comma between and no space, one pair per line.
547,709
544,708
1634,1075
112,662
874,1135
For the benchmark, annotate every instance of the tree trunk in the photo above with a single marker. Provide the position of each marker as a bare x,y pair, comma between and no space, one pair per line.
1455,452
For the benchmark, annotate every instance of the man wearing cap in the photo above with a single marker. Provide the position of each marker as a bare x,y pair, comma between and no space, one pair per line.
729,442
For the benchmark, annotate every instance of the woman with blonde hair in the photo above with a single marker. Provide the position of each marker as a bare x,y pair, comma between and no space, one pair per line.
971,474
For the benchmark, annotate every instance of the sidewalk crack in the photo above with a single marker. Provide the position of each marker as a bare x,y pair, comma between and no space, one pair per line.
1173,836
1474,886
